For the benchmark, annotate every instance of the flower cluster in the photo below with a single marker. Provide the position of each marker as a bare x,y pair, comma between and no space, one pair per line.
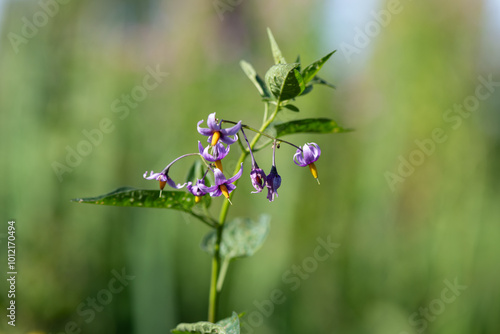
216,151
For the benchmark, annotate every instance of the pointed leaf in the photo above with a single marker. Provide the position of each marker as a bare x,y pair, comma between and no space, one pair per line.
284,81
310,71
298,62
318,81
231,325
278,57
310,125
128,196
241,237
255,78
291,107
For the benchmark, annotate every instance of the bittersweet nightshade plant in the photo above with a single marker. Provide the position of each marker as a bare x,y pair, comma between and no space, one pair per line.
284,83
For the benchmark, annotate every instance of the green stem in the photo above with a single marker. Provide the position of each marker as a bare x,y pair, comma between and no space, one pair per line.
216,260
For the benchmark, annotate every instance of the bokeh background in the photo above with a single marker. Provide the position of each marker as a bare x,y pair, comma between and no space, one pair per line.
403,242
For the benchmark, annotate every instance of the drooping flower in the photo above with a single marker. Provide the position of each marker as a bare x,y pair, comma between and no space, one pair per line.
218,153
214,131
273,180
164,179
258,178
306,156
222,185
196,189
163,175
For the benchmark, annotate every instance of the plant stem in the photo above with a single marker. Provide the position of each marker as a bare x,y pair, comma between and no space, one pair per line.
216,260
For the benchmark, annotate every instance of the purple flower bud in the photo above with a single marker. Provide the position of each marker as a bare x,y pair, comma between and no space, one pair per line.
215,133
258,178
273,182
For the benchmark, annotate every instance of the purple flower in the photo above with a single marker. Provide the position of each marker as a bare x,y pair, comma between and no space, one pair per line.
164,179
258,178
222,185
214,131
218,153
273,182
196,188
307,156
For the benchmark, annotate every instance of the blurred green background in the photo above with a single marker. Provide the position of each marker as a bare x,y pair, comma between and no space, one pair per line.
403,242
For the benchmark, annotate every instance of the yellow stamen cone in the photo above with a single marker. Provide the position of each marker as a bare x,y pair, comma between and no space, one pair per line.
314,171
162,185
197,199
215,137
218,164
223,188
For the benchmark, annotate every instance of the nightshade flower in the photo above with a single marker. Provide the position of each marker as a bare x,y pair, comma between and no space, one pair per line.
307,156
222,185
258,178
163,175
273,180
164,179
214,131
218,153
196,189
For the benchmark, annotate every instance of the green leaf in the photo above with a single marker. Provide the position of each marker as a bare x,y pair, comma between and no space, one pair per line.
297,60
242,237
310,71
310,125
318,81
291,107
284,81
229,325
278,57
255,78
308,89
141,198
202,327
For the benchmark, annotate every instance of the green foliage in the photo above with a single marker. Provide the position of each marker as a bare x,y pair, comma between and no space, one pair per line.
285,81
318,81
255,78
141,198
278,57
241,237
201,327
309,125
229,325
310,71
291,107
